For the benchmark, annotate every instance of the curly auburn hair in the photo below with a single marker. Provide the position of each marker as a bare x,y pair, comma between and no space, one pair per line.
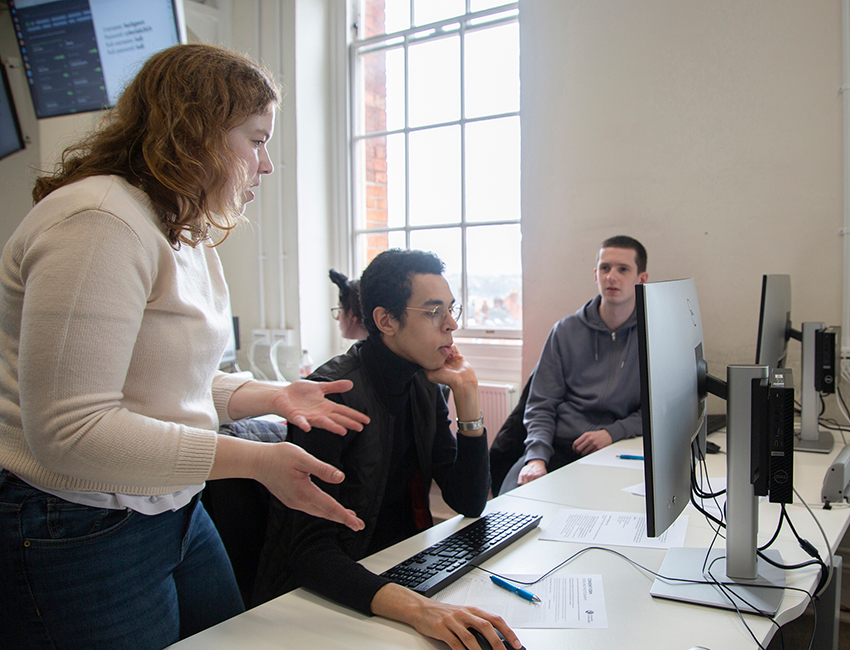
167,135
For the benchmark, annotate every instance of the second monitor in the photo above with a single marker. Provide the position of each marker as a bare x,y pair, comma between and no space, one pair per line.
818,359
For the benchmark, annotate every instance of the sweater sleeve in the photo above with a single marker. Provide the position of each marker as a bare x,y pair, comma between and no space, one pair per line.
630,426
223,387
548,390
87,281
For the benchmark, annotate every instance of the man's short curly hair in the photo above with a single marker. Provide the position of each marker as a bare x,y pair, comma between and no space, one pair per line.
387,282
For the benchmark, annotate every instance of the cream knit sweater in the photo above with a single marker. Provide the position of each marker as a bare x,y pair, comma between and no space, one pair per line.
109,347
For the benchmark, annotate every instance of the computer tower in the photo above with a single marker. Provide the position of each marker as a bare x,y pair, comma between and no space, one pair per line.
827,359
772,452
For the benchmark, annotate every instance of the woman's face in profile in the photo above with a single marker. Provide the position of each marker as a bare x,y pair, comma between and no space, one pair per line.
349,324
248,141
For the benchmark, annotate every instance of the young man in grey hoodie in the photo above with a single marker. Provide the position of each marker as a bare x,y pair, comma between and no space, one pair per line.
585,392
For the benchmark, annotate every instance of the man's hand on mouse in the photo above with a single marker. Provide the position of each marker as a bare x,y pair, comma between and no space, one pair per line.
448,623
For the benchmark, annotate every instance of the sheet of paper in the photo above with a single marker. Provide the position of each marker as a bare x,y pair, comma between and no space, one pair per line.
714,506
611,529
610,457
567,601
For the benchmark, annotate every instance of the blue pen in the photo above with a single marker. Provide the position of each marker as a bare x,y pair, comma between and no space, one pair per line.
630,457
522,593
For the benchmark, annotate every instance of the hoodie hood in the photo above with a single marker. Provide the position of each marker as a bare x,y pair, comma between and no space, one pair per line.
589,315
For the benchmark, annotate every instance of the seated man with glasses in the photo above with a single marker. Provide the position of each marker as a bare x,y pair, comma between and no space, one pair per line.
410,314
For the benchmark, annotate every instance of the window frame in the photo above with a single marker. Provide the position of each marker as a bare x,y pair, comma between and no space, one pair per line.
455,26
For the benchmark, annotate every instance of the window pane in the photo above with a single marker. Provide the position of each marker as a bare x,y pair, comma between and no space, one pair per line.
384,16
435,176
492,71
445,242
372,182
397,239
494,269
434,81
382,91
481,5
493,170
395,179
431,11
370,245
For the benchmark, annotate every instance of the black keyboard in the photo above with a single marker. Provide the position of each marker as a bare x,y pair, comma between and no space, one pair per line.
716,421
441,564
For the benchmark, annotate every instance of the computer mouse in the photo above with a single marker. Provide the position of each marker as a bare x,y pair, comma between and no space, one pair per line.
485,644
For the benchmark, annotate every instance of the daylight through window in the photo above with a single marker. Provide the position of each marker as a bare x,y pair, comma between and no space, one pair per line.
436,146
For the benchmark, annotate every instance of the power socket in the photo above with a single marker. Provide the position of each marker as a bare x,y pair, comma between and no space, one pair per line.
261,337
285,337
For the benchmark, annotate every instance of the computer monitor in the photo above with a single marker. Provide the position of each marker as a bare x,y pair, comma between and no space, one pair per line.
229,355
674,386
670,349
11,138
79,54
774,321
818,358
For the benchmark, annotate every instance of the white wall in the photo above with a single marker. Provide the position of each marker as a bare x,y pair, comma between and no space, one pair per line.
278,266
711,131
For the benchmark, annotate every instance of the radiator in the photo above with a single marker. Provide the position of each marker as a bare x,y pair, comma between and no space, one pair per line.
497,402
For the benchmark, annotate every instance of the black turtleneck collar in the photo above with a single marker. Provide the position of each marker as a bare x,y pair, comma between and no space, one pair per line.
389,371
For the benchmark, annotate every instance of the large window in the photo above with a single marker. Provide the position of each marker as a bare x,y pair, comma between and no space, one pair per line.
436,146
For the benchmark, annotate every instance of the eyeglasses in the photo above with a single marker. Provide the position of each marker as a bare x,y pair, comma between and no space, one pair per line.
336,312
438,314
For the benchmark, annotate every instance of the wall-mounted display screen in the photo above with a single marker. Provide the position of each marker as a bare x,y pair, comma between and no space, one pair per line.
79,54
11,138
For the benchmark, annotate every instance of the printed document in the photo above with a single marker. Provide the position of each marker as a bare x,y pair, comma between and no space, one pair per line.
611,529
567,601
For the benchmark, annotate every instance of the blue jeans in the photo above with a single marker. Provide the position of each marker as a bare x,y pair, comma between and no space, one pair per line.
78,577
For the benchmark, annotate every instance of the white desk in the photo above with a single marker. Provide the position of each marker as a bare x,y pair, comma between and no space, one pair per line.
636,620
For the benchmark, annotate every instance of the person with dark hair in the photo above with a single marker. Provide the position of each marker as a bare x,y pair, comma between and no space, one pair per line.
410,314
348,312
113,320
585,391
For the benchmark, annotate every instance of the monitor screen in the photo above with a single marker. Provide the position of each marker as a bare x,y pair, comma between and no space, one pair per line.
79,54
672,370
11,138
774,321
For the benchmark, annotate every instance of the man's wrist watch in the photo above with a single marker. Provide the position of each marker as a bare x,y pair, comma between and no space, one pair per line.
471,426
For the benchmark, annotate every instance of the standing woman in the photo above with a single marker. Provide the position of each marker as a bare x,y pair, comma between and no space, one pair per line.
112,323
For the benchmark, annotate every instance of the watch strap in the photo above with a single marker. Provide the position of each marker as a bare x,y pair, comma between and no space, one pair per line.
471,426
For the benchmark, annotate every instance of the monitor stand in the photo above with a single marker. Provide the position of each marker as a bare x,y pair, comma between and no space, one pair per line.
762,594
812,438
750,578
